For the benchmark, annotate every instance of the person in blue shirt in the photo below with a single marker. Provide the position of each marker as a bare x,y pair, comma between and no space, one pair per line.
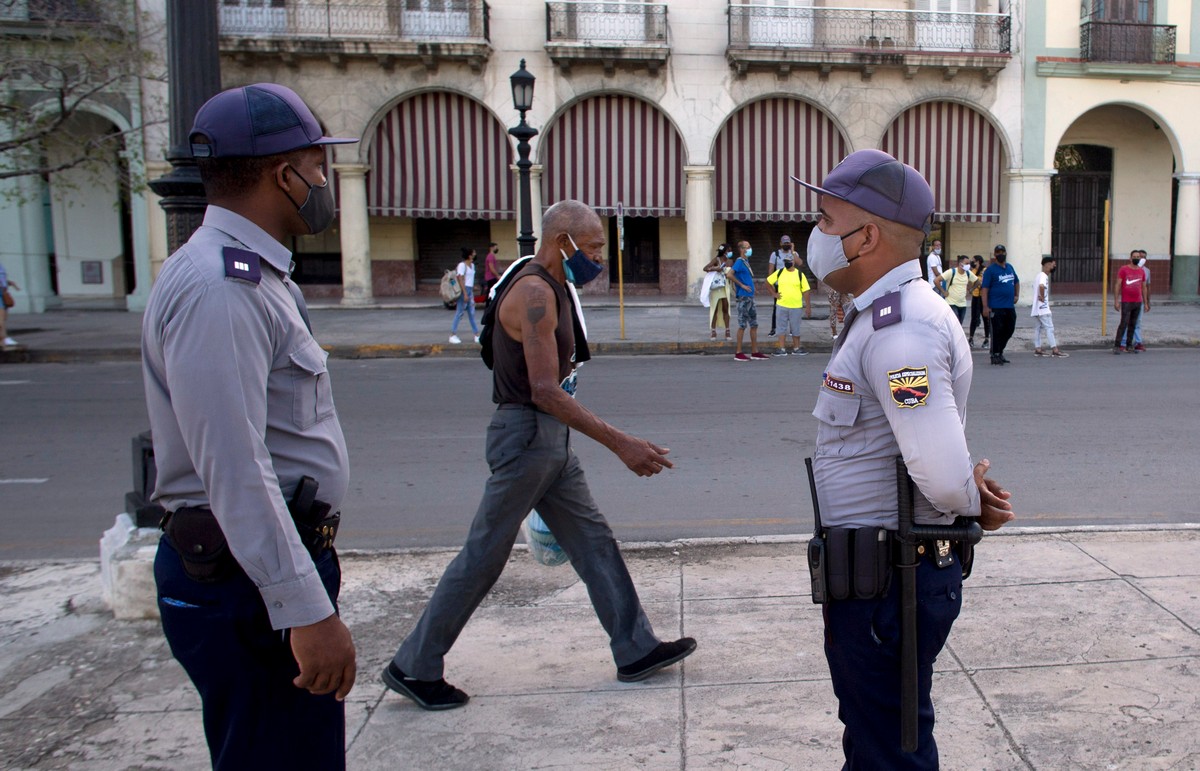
747,313
1000,292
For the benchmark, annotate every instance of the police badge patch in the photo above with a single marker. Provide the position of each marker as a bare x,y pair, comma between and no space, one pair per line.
909,386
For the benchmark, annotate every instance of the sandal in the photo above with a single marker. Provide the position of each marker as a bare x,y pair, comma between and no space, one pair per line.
1061,355
1038,352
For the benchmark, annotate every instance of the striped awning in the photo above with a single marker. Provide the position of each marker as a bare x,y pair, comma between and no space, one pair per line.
440,155
958,151
609,149
757,151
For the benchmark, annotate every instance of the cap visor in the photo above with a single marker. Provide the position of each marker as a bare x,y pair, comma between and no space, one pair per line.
335,141
815,189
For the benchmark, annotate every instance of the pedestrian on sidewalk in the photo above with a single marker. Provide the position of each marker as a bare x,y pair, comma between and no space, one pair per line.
6,285
243,420
1137,330
1041,311
716,290
747,313
895,385
977,305
1001,289
837,308
491,268
933,266
789,286
536,350
774,263
466,298
957,282
1130,295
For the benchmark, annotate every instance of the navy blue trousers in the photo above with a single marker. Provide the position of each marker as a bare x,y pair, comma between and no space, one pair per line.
254,718
862,646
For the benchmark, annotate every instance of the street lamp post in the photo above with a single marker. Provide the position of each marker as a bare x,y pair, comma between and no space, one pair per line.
522,91
194,75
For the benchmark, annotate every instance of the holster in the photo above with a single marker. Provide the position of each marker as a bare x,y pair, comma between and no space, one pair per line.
194,533
857,563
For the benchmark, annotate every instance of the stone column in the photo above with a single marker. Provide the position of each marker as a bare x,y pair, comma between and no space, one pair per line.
1185,264
355,232
698,214
1027,230
535,198
36,294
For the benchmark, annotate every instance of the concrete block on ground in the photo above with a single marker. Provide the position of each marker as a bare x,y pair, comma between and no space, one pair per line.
127,569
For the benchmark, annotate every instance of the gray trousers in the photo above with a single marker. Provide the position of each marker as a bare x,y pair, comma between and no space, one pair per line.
533,467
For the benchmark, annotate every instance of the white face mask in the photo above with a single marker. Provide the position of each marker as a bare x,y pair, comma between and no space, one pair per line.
1142,263
826,253
938,251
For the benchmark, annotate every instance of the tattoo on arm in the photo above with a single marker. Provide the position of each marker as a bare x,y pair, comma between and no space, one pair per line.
535,311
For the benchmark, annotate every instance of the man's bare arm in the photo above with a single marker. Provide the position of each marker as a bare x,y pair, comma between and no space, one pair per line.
530,315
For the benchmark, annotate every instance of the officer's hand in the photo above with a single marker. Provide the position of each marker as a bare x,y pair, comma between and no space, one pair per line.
325,654
994,509
642,457
987,312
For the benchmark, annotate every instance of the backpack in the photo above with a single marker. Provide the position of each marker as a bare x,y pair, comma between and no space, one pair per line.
449,288
487,322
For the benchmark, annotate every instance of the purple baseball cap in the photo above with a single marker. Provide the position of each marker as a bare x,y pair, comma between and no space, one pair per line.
257,120
876,182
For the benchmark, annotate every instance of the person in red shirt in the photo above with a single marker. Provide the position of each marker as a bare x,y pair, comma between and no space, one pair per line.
1130,295
491,268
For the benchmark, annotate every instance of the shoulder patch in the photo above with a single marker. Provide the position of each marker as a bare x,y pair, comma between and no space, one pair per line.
885,311
909,386
242,264
838,384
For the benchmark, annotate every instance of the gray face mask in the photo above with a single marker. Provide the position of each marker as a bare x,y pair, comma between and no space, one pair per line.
317,209
826,254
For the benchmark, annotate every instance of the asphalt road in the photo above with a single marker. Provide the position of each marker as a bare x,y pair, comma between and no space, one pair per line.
1093,440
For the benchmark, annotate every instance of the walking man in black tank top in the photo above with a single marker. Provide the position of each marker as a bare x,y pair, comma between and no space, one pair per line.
528,451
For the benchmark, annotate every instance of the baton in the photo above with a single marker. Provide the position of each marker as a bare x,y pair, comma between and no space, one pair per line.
909,534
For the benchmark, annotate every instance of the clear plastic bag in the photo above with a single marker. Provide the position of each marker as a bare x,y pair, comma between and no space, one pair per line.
542,544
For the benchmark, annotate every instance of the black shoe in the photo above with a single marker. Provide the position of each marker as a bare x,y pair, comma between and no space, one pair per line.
1116,350
1003,360
997,360
428,694
666,654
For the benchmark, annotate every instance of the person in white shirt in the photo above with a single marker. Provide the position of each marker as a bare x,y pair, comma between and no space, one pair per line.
466,301
933,267
1041,311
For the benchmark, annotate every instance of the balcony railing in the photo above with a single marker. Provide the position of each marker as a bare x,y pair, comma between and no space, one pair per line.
52,11
441,20
1127,42
865,29
606,23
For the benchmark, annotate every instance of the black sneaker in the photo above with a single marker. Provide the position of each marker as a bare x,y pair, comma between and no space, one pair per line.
428,694
800,352
666,654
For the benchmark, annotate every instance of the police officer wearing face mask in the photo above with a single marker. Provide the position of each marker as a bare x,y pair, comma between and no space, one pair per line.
251,460
896,385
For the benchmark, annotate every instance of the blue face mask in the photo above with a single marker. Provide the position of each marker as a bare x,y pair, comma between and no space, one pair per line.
580,270
749,252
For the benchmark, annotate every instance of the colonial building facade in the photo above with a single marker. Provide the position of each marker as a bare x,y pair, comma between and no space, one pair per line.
691,116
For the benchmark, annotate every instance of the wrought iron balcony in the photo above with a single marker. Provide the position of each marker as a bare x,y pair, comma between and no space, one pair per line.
383,29
612,32
780,35
1127,42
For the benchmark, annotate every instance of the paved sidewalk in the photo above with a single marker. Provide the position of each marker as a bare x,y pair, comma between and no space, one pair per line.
1075,650
421,327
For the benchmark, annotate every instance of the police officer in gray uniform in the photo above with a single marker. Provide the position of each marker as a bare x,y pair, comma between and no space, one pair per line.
251,460
896,385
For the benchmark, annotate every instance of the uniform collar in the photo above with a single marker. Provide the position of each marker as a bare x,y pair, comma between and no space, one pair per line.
252,237
889,282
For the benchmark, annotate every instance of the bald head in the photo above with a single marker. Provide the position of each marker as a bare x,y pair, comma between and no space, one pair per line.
568,218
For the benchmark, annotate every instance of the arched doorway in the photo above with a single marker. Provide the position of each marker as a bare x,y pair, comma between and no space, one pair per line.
438,181
1119,152
758,150
90,229
961,154
617,149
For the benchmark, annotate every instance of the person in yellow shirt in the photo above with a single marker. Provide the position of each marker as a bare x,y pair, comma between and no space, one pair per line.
958,282
789,286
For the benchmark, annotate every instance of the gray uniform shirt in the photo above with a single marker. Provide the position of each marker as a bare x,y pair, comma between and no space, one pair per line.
899,389
241,407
